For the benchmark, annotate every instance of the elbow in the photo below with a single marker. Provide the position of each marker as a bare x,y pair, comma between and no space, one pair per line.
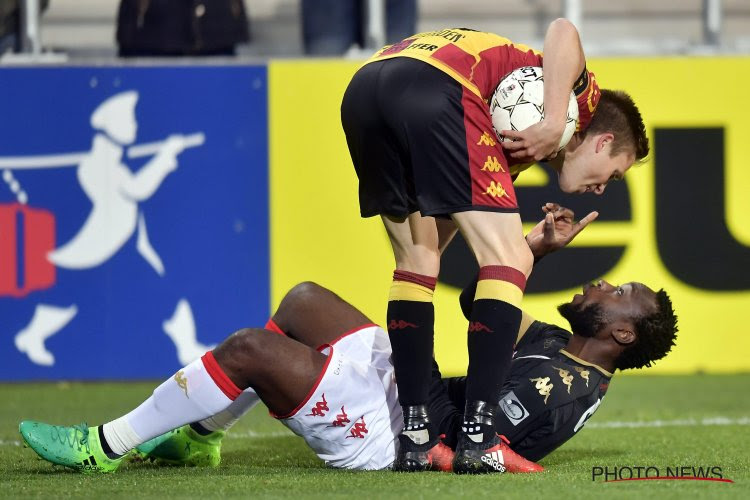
563,24
562,31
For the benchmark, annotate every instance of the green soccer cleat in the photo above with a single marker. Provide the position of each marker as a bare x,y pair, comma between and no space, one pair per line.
183,446
76,447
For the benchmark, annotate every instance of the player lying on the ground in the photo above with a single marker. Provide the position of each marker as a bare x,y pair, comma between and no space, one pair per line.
342,398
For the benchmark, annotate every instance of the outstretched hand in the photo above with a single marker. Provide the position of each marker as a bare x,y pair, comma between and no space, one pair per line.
556,230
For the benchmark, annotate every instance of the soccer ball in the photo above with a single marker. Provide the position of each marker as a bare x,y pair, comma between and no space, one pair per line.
518,103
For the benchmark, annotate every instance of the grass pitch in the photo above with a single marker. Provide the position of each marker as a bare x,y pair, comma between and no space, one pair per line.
657,421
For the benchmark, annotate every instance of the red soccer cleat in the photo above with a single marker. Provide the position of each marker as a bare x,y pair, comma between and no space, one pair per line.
492,456
514,462
441,457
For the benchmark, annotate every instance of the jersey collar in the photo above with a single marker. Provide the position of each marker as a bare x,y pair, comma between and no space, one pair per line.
586,363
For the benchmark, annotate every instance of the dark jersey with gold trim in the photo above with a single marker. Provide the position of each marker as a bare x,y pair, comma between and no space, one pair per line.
548,397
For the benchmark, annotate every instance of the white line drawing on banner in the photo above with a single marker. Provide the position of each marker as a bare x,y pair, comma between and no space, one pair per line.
181,329
114,191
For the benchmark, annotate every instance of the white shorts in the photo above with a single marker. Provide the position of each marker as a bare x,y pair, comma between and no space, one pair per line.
351,417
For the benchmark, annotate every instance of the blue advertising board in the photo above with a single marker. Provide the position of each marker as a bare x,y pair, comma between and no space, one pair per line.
133,217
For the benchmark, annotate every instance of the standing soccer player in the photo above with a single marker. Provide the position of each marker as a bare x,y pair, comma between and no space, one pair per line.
420,136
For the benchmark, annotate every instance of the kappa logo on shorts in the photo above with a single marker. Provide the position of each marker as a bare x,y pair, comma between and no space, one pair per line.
486,140
341,419
359,429
496,190
513,409
493,165
320,408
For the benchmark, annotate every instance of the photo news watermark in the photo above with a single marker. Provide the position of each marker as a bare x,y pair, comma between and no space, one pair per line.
618,473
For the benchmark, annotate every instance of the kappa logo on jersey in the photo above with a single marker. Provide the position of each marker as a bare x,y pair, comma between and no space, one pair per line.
543,386
341,419
320,408
400,325
179,377
513,409
493,165
476,326
566,377
583,373
486,140
496,190
359,429
495,460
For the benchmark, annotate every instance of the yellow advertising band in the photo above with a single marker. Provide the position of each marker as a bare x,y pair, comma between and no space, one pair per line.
403,290
499,290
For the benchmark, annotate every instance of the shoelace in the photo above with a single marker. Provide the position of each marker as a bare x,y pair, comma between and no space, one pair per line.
69,435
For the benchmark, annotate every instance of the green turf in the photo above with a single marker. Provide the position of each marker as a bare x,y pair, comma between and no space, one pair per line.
262,459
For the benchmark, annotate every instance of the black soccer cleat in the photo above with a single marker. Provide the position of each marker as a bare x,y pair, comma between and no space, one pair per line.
478,457
417,441
414,457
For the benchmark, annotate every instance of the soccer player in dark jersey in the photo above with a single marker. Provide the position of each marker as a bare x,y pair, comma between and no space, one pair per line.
420,135
324,370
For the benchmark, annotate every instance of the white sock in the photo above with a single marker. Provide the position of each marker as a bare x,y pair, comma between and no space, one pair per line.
198,391
227,418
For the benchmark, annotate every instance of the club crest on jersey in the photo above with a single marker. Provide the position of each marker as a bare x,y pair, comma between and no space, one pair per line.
566,377
513,408
543,385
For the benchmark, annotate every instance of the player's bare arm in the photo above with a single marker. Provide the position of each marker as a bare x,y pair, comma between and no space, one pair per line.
564,62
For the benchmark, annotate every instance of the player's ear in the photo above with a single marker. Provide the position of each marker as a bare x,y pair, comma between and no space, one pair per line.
623,333
604,140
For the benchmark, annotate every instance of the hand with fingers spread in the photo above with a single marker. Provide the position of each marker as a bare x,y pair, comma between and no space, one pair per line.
556,230
540,141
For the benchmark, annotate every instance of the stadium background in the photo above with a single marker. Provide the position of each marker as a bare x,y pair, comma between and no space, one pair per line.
234,241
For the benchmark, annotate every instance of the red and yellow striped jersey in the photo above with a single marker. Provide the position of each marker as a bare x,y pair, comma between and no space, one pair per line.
479,61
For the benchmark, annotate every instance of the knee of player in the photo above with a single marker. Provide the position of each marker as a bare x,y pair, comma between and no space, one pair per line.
245,342
303,291
525,260
517,256
421,261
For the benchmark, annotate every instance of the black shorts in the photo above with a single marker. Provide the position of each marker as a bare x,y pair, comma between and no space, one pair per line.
421,141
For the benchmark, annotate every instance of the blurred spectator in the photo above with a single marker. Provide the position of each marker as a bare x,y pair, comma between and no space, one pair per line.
331,27
181,27
10,23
